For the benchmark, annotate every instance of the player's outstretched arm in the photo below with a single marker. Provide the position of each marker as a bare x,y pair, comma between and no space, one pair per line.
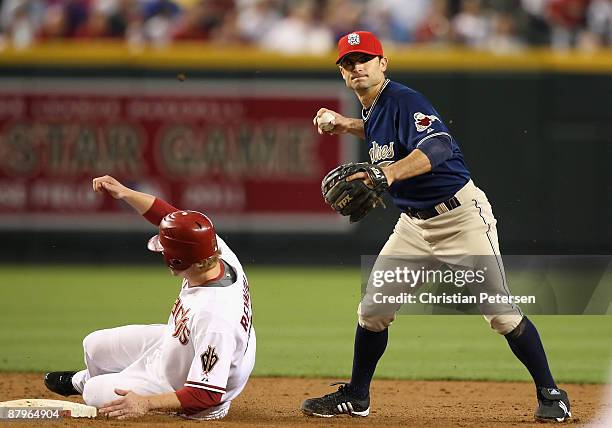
189,400
141,202
132,405
338,125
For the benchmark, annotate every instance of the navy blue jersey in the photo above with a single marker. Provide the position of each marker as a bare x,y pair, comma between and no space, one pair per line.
399,120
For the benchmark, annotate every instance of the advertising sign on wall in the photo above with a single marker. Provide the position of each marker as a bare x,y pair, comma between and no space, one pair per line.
247,154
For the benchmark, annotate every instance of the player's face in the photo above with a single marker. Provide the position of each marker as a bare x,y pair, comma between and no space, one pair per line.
362,71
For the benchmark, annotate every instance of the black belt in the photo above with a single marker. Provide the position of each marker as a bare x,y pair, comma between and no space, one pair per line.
441,208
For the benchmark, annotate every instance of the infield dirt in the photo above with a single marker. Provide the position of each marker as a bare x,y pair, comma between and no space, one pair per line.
274,402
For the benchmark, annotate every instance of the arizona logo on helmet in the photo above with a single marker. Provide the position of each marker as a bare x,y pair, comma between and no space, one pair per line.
423,121
353,39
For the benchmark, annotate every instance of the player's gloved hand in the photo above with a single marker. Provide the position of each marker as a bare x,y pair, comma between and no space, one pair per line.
354,198
111,185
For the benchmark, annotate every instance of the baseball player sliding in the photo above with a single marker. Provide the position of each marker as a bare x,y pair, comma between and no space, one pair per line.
445,217
201,359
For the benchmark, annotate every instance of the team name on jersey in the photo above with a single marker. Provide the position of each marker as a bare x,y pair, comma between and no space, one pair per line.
247,316
179,314
378,152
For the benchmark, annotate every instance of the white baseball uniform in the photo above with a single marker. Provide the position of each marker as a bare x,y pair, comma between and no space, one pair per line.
208,343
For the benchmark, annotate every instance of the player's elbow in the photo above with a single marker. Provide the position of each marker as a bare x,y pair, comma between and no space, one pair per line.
437,149
195,400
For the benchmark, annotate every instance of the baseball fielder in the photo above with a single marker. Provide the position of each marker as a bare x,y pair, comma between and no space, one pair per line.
445,217
201,359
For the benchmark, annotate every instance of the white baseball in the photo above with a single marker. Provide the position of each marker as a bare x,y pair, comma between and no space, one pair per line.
326,121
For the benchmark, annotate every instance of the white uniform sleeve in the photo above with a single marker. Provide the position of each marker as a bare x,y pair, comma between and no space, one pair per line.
214,346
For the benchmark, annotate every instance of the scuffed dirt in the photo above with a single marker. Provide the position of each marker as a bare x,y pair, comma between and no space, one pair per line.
274,402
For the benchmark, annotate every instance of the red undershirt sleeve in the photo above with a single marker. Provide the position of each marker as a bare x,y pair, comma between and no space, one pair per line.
194,400
158,211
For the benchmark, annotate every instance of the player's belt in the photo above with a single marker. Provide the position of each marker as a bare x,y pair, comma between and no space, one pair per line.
441,208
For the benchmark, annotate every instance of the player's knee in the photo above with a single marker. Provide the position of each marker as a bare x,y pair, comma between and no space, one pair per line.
504,324
96,392
94,343
375,323
88,393
373,318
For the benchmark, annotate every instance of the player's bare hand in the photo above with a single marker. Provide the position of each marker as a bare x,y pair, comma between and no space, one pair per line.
366,178
360,176
130,405
339,125
111,185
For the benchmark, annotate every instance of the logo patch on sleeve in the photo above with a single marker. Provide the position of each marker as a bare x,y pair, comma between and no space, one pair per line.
423,121
209,359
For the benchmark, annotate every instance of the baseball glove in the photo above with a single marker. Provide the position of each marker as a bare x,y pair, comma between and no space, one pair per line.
354,198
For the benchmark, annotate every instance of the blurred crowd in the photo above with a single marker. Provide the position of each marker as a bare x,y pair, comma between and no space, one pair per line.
313,26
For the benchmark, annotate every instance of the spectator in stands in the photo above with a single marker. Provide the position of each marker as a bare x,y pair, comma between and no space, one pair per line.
75,15
256,17
54,24
567,18
312,26
160,17
343,16
503,38
395,20
20,21
599,22
200,20
537,29
436,27
119,13
300,32
96,25
107,18
205,19
227,31
471,25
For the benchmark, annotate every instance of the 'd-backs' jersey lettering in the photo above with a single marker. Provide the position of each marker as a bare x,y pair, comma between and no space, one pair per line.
181,320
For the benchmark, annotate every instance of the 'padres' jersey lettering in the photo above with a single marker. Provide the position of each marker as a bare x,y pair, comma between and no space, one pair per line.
380,153
399,121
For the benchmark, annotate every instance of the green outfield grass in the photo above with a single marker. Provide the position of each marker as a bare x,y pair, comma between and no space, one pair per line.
304,318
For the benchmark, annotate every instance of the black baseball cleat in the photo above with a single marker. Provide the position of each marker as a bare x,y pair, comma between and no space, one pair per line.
61,383
342,402
553,405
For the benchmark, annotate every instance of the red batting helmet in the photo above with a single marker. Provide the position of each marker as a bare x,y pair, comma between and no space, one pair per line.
185,238
359,41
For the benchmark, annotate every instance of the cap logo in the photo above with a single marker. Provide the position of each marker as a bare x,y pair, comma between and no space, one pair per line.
353,39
